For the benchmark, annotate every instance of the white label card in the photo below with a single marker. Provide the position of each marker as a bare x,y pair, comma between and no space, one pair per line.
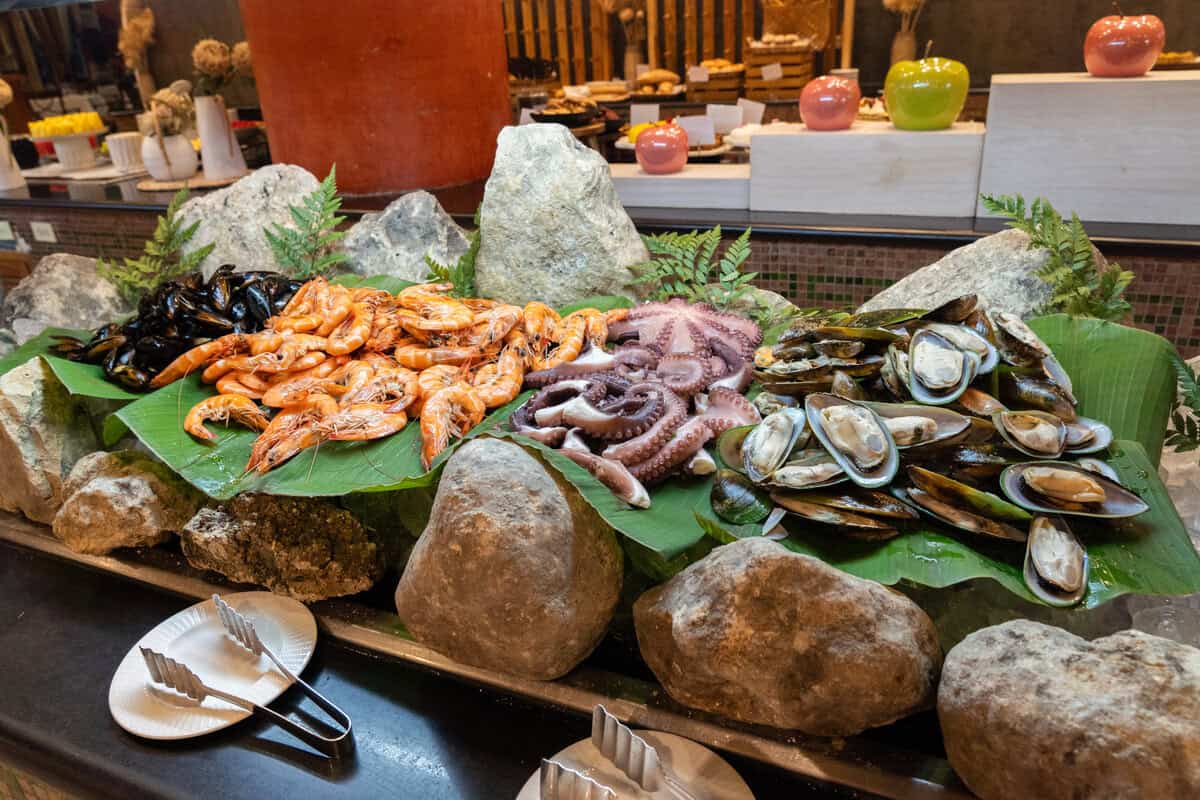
772,72
643,112
6,231
725,118
526,116
699,130
752,111
697,74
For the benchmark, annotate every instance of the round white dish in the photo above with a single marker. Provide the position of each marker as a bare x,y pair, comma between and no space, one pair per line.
703,772
195,637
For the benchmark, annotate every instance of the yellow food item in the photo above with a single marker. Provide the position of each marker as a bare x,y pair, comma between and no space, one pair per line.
656,76
1177,57
636,130
67,124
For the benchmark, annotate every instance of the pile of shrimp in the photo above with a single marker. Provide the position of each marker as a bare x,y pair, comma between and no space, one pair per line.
340,364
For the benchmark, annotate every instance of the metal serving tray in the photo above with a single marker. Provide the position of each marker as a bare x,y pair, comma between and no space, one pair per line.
855,762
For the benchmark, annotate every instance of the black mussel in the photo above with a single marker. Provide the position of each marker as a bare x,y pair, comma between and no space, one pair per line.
237,311
257,303
220,292
156,352
213,322
68,346
225,271
246,325
192,280
96,351
280,301
131,377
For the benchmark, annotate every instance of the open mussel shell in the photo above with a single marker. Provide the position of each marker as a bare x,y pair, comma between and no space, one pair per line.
729,446
769,402
856,437
768,446
938,371
809,469
791,388
839,348
862,501
855,525
955,310
846,387
959,518
956,493
1035,433
804,369
1018,344
902,420
1059,377
968,340
1056,564
1099,467
979,403
1035,392
735,499
1086,435
1118,502
894,372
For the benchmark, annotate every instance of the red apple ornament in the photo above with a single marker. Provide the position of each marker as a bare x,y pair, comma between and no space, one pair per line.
662,149
1123,47
829,103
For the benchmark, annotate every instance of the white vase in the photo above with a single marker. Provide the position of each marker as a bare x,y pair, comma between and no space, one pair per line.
10,172
179,163
219,150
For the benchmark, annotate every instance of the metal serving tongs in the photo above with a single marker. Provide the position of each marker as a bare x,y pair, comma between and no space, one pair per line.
633,755
242,630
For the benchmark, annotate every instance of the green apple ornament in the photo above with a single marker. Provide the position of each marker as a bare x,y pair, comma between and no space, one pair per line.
926,95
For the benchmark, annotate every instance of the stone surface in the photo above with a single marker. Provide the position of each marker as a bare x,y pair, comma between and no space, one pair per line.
759,634
42,434
1000,268
515,572
553,228
1028,710
396,241
306,548
234,217
121,499
63,291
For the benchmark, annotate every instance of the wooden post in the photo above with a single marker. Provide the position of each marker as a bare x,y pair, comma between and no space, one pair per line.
601,55
708,21
606,50
848,34
689,33
510,29
543,28
564,47
729,30
670,50
578,56
747,25
651,35
527,29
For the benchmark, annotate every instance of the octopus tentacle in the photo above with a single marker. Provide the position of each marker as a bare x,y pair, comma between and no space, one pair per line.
551,437
592,360
725,409
683,373
652,439
686,440
613,474
615,423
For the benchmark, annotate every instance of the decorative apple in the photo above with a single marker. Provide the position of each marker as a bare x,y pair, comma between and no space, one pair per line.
1123,47
926,95
829,103
662,149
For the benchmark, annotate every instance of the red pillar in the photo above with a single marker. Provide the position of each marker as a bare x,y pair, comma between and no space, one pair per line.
401,94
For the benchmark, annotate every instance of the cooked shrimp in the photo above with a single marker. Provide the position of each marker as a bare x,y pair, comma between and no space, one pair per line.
540,322
396,389
596,330
451,411
293,429
223,408
197,357
362,421
569,343
229,384
298,390
435,310
352,333
497,384
285,358
415,356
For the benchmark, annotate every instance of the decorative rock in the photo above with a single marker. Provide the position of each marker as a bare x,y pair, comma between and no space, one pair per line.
42,434
121,500
306,548
515,572
553,229
234,218
63,290
396,241
763,635
1028,710
1000,268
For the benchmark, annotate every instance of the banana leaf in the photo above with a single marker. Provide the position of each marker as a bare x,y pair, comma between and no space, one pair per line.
1122,376
81,380
388,283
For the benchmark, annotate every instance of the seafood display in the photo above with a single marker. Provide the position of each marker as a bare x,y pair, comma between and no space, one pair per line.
177,316
341,364
645,409
964,417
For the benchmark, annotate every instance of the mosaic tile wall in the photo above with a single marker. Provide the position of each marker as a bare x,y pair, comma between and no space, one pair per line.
825,271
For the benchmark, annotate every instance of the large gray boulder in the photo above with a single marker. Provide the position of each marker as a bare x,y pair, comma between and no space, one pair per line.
42,434
553,228
396,241
64,291
234,217
760,634
303,547
515,572
1028,710
1000,268
121,499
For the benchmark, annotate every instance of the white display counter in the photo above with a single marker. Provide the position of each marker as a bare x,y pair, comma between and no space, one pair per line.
723,186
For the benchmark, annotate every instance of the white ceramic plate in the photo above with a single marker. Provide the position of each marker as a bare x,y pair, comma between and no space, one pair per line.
195,637
705,773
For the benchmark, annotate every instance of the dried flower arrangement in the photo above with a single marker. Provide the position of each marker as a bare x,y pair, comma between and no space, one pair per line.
172,108
909,12
217,64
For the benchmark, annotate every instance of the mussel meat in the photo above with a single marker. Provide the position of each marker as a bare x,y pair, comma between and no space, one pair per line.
769,444
1056,565
1035,433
